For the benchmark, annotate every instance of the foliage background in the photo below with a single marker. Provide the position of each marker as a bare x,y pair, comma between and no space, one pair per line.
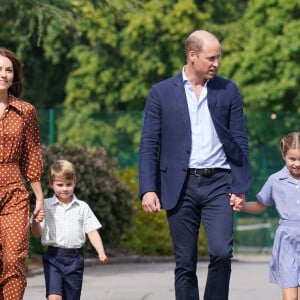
109,53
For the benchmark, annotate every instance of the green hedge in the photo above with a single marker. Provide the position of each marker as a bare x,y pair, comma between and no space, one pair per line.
149,233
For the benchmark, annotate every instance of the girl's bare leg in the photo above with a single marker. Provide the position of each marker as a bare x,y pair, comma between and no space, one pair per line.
290,293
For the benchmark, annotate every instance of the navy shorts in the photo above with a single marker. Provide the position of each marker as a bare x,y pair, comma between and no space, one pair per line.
63,270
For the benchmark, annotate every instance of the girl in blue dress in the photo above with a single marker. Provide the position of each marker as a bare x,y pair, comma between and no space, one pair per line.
282,189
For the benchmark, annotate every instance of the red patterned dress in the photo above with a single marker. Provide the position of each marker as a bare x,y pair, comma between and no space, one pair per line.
20,159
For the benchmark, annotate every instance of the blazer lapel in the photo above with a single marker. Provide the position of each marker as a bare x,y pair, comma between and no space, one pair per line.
181,100
211,96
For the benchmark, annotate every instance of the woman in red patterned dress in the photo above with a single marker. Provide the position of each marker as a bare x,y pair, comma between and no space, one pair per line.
20,159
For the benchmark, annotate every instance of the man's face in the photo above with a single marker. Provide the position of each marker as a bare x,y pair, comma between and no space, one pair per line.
206,62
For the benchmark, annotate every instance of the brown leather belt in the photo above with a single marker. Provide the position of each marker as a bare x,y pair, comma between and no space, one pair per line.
206,171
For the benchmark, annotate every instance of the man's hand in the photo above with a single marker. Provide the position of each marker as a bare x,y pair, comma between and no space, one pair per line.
150,202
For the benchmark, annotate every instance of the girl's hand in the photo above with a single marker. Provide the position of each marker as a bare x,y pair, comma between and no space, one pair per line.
237,201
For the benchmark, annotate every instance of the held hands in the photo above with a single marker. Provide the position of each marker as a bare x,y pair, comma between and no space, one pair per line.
39,213
150,202
237,201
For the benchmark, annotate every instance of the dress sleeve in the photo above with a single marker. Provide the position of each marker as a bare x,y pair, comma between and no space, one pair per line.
265,196
31,163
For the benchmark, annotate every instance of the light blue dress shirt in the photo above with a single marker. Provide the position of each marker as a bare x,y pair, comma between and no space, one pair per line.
207,150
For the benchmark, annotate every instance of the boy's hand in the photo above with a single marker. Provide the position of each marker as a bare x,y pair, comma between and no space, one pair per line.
103,259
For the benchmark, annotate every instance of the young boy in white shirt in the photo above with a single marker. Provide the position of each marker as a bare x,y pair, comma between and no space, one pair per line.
66,223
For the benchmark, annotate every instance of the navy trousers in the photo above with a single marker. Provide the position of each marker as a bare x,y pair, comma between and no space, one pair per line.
63,270
206,200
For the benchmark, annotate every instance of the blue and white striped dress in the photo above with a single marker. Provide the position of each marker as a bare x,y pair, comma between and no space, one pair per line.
283,191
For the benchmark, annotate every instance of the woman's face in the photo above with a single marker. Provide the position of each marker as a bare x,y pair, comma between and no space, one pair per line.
6,73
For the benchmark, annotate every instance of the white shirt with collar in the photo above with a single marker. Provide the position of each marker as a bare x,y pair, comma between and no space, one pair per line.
66,226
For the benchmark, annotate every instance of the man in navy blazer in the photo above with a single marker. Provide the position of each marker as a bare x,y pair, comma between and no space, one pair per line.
193,162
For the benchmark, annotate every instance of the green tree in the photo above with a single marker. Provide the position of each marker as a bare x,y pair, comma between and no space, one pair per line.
119,133
44,33
23,24
223,11
111,52
124,56
261,53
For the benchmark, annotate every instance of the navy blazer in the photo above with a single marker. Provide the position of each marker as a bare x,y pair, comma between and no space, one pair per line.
166,143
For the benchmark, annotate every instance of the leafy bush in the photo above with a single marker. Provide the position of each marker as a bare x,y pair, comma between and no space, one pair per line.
98,185
149,233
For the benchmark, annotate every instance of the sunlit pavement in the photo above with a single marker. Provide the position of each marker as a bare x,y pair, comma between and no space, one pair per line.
138,280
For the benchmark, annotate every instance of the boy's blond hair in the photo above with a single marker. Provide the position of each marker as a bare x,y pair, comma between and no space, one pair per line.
62,170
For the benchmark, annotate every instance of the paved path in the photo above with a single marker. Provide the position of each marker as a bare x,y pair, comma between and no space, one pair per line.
154,281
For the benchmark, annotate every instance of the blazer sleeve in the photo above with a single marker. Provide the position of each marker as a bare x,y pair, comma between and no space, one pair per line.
149,145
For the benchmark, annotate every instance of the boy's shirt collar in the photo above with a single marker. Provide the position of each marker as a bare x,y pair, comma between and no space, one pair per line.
55,201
